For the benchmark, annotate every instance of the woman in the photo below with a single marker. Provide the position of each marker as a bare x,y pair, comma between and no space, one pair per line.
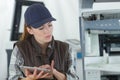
37,48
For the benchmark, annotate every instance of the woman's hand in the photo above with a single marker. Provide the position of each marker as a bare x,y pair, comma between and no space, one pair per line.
35,75
57,74
50,74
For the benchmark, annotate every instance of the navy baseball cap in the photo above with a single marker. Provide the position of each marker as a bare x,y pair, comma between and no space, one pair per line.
36,15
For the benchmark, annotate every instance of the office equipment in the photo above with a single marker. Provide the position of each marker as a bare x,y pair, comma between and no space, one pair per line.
100,42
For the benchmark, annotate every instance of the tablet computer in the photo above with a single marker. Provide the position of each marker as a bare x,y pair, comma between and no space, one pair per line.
31,69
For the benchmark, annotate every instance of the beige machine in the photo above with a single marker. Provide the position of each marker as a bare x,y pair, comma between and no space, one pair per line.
100,43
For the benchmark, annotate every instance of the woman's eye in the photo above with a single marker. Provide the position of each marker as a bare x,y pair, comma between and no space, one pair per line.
41,28
50,25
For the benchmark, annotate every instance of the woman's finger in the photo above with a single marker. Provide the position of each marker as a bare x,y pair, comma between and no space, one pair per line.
40,74
45,75
35,71
52,64
27,72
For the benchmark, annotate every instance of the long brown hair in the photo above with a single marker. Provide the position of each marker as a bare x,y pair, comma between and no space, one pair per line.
25,33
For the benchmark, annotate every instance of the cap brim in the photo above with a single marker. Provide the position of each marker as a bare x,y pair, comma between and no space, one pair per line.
38,24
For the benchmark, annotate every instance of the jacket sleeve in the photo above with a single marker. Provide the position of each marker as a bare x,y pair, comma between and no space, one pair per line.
16,60
71,73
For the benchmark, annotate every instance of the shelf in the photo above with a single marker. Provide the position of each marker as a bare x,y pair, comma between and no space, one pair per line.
88,12
104,67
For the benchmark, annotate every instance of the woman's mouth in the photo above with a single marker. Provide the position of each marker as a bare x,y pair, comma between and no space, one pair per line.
48,36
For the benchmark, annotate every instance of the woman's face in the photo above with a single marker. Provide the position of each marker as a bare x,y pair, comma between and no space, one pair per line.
43,34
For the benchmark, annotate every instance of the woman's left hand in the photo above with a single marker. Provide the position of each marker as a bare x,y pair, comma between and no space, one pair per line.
49,74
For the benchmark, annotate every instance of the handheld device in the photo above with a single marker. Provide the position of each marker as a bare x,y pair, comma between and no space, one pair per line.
31,69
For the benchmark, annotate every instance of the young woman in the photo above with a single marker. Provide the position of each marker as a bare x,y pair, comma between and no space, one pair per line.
37,48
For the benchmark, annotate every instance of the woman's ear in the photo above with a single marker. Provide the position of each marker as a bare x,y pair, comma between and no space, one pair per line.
29,30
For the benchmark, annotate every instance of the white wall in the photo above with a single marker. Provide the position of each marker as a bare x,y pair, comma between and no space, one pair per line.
6,13
66,27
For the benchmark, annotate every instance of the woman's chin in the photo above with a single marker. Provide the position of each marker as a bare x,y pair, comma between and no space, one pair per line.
49,40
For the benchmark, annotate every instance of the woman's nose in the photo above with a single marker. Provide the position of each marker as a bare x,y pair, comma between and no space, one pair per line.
47,29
